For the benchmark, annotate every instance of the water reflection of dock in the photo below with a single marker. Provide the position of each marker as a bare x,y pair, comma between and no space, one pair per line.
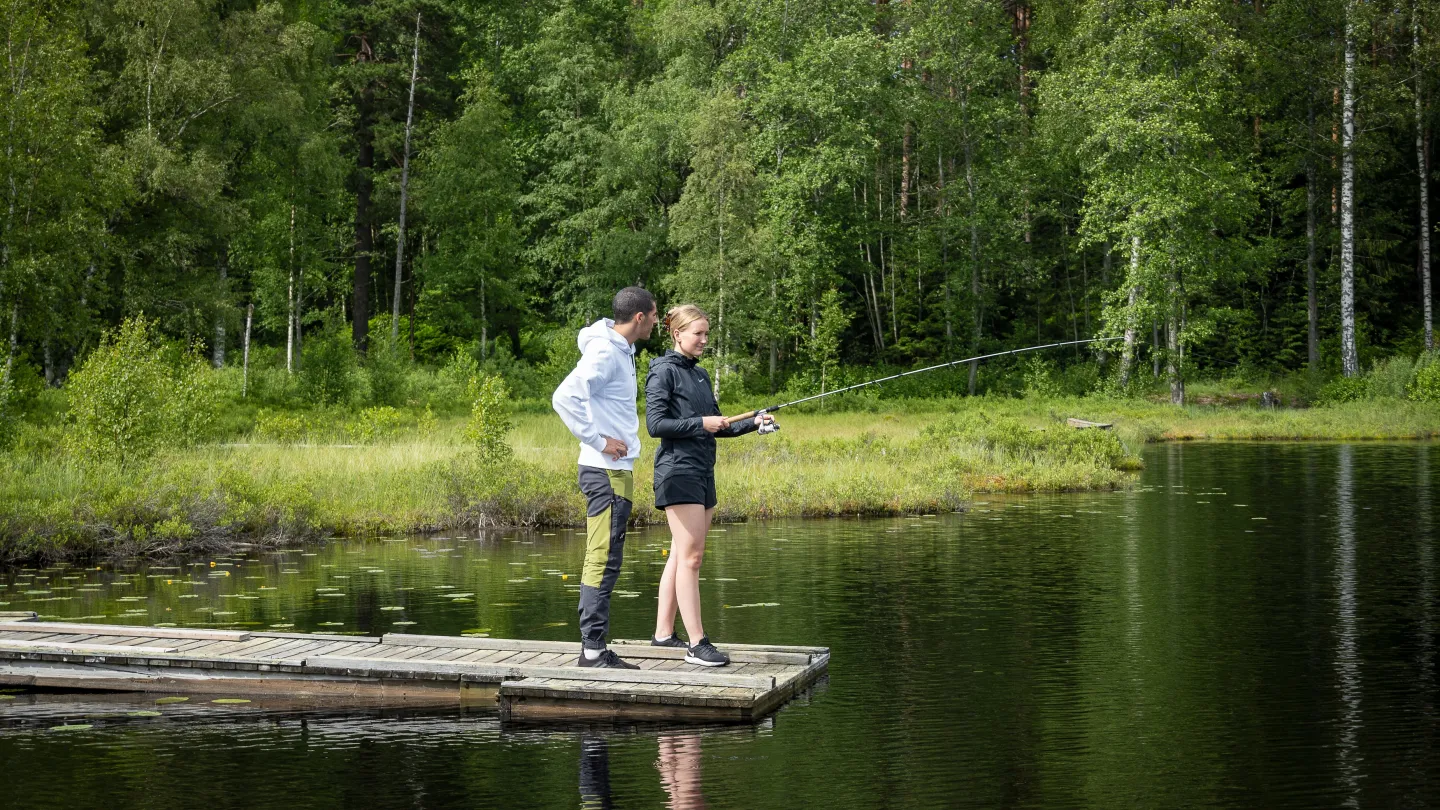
525,680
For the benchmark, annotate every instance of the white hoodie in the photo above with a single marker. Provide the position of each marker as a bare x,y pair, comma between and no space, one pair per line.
598,398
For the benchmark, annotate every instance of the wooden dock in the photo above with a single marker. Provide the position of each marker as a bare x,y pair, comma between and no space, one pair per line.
524,680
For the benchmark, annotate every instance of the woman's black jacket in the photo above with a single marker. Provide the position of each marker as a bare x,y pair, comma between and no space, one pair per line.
677,398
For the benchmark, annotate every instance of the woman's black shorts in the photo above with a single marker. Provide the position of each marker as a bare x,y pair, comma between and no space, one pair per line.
673,490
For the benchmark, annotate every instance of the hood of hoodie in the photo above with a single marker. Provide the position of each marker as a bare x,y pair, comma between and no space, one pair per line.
603,329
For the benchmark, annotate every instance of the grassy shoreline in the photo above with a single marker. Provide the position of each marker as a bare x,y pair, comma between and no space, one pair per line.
899,458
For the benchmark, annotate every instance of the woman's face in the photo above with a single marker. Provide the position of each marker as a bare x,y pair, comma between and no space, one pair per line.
692,339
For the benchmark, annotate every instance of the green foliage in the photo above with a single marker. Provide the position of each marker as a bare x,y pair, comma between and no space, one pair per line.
1040,378
1343,389
1426,384
329,372
489,424
134,396
280,426
824,345
386,368
1016,439
374,424
1391,378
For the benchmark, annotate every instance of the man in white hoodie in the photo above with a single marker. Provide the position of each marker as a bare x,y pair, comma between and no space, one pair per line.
597,403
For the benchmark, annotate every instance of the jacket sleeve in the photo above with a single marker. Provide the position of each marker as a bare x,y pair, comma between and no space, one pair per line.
572,399
660,417
739,429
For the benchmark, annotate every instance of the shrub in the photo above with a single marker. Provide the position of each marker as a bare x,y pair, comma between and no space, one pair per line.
1040,379
1425,386
452,391
132,396
1014,438
489,419
386,368
373,424
285,428
1390,378
1343,389
329,371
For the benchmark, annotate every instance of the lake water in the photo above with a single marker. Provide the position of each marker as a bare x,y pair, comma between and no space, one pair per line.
1250,626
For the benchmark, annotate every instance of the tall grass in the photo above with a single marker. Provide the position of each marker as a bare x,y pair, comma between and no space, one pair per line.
895,457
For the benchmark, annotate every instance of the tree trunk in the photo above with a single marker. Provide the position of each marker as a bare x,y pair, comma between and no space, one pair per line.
1349,356
1105,260
1422,162
976,304
291,320
364,243
1173,358
905,166
404,186
217,351
1312,308
1155,349
14,346
245,352
1127,356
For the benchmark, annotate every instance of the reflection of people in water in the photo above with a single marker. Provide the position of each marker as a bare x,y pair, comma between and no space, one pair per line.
594,773
679,765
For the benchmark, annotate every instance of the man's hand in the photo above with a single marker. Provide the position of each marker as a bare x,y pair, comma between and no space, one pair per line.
715,424
615,449
763,419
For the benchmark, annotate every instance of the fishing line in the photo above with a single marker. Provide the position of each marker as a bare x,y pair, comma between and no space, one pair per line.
774,408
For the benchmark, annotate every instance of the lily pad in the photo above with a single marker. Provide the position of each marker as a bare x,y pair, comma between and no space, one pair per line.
7,697
144,714
76,727
167,700
229,700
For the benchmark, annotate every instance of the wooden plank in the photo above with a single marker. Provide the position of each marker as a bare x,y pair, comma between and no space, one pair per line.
732,648
451,655
138,641
16,645
799,656
254,647
550,659
17,615
482,656
124,630
319,637
515,644
504,672
34,636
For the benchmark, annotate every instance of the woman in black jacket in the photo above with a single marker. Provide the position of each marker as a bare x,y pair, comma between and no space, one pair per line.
680,411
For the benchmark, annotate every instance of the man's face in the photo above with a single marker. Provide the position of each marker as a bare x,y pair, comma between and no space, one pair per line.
648,321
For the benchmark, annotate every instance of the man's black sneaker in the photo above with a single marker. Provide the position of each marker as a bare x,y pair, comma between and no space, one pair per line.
704,653
607,660
673,641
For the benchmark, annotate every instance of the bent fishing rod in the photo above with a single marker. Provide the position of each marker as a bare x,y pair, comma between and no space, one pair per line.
774,408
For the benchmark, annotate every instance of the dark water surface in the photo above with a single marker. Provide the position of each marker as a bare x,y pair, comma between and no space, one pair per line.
1251,626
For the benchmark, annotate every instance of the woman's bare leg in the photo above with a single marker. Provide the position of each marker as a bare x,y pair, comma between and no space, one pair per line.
689,523
665,614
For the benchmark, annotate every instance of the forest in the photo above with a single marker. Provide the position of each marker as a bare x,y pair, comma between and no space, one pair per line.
300,269
1239,188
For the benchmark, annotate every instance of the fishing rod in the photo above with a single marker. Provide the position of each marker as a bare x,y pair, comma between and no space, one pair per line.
774,408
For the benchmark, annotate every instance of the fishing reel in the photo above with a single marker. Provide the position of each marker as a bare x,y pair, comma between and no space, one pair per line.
767,427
